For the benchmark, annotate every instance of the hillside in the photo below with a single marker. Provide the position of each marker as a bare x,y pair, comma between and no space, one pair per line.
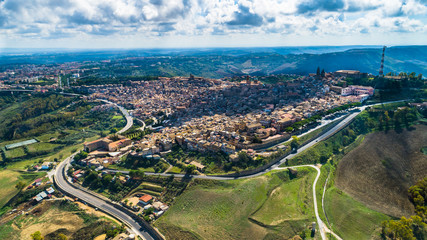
272,206
380,171
225,62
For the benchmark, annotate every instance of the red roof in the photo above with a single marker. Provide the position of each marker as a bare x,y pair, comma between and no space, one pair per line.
146,198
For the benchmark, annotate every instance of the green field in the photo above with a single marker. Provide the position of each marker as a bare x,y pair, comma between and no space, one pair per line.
175,169
270,206
8,180
350,218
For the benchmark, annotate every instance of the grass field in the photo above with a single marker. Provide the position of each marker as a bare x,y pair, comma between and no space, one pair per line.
42,146
271,206
177,170
8,180
350,218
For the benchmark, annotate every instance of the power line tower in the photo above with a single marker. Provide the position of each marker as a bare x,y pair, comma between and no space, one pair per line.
382,63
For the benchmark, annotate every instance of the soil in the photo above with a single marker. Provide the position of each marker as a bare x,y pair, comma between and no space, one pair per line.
381,169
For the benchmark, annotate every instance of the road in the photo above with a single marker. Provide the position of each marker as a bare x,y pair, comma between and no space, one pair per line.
63,183
129,119
320,224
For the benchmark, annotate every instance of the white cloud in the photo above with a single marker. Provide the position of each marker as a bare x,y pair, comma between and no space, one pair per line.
43,19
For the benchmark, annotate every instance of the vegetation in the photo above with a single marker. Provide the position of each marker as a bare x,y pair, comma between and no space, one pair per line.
274,205
381,118
55,128
57,220
351,219
414,227
11,183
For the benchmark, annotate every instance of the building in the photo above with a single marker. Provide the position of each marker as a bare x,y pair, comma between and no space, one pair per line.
198,166
350,73
357,90
145,199
107,144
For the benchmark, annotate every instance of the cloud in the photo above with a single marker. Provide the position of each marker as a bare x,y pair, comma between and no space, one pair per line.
44,19
320,5
244,17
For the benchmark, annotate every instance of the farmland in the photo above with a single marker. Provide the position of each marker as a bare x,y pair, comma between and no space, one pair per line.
8,180
381,174
271,205
350,218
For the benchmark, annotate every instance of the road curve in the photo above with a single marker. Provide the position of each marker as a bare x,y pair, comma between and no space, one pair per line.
63,183
129,119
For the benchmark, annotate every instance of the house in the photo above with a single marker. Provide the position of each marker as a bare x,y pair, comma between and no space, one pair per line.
145,199
46,166
50,190
198,166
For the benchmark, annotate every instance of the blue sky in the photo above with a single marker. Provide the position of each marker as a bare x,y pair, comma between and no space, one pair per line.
210,23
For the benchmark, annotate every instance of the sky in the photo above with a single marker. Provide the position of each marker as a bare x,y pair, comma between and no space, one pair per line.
210,23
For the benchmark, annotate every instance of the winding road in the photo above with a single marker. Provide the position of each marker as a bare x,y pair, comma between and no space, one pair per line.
64,184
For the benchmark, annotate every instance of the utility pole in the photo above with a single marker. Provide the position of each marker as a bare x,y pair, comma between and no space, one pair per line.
381,73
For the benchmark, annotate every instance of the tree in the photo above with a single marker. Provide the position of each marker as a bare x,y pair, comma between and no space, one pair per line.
61,236
136,174
256,139
295,142
289,129
318,71
106,179
190,169
20,185
37,236
323,74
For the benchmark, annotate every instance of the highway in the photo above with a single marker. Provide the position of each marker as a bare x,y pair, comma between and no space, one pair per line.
63,183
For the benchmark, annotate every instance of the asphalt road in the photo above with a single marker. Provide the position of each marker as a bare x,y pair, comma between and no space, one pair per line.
101,204
344,122
129,119
62,183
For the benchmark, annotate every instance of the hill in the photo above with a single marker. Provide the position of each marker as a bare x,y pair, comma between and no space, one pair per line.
381,169
272,206
225,62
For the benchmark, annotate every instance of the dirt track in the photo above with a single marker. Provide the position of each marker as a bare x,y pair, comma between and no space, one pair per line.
379,172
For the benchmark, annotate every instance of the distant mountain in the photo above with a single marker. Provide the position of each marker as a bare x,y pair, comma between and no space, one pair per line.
221,62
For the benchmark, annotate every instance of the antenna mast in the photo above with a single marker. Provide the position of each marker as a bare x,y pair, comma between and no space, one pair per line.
382,63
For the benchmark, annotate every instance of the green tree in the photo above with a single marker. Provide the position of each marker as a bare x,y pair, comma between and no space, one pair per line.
61,236
289,129
190,169
295,142
20,185
37,236
318,71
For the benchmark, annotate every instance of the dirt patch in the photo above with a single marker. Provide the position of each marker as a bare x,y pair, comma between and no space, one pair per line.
380,171
51,221
101,237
